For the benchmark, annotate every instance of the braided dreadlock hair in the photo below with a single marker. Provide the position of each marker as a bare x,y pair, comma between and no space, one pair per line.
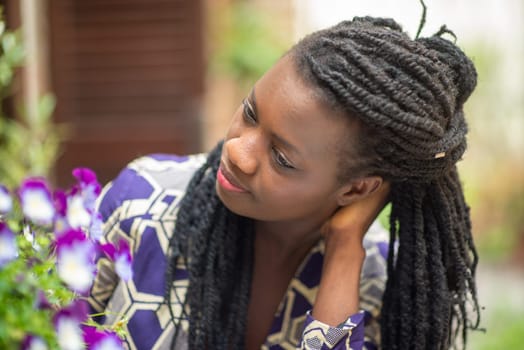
408,97
217,246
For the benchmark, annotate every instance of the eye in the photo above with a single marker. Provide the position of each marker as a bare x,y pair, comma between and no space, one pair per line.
281,160
249,113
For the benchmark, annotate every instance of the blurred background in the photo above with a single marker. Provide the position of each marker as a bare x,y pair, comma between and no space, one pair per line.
99,82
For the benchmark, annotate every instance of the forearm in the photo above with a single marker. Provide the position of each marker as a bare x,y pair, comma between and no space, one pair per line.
338,294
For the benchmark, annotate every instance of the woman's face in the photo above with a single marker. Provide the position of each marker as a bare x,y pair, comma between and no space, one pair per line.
280,155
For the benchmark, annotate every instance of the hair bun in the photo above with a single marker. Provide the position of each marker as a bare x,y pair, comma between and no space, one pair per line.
464,72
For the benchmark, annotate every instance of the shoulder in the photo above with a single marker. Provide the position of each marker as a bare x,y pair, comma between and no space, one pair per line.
163,171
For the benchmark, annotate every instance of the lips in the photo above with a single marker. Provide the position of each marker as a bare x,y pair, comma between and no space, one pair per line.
228,181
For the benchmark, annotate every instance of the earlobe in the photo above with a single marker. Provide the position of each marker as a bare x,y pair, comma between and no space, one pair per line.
358,189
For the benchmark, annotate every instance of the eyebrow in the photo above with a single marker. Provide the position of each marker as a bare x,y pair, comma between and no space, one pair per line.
279,139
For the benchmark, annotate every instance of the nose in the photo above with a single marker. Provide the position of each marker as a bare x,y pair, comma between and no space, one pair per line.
242,152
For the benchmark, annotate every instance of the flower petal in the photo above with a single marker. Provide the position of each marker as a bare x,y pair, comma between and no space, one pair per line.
77,214
6,202
36,201
68,327
32,342
123,261
121,256
109,250
60,201
69,333
101,340
8,247
95,231
85,176
77,310
123,267
76,260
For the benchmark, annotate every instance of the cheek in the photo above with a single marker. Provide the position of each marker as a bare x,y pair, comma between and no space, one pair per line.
294,194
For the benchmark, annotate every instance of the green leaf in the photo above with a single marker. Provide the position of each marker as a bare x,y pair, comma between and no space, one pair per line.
46,106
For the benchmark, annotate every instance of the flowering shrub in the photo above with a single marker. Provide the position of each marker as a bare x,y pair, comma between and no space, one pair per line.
49,241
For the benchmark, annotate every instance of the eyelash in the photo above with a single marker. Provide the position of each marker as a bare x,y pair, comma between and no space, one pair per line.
280,159
248,113
250,117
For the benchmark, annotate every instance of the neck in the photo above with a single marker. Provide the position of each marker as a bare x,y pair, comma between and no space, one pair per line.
285,241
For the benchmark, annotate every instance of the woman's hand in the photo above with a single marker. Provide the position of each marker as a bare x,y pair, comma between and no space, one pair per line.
338,295
349,224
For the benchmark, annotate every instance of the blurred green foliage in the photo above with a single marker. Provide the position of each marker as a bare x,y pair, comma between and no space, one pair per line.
20,281
248,46
29,142
505,330
493,168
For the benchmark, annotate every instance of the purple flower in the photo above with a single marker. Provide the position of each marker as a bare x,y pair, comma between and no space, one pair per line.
78,309
68,327
101,340
86,177
95,231
32,342
6,202
8,248
89,186
37,204
76,260
60,201
61,225
122,258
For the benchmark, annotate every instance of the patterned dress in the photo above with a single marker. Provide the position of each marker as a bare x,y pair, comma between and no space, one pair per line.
140,206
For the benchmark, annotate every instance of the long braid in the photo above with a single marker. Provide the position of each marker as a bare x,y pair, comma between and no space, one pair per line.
408,95
217,247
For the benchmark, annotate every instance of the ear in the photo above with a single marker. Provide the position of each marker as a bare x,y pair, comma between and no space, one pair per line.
358,189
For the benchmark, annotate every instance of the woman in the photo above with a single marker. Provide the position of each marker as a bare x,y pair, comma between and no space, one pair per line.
266,246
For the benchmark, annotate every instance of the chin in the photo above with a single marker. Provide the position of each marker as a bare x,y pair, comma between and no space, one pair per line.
239,206
230,203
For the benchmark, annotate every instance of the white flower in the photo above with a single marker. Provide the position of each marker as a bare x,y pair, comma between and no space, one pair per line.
123,267
69,334
77,214
108,343
37,206
37,344
75,264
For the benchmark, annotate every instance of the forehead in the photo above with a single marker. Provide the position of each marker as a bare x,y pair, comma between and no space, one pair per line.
291,108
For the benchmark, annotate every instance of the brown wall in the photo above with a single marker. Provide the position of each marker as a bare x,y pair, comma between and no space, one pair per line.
128,76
